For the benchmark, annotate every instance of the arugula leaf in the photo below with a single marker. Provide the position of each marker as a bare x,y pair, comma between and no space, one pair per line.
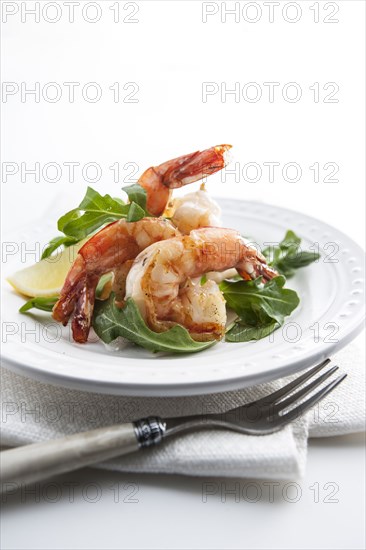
135,212
261,307
136,194
55,243
249,299
244,333
110,321
94,211
138,197
290,240
45,304
287,256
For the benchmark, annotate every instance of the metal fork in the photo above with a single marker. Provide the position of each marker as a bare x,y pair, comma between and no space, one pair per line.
38,461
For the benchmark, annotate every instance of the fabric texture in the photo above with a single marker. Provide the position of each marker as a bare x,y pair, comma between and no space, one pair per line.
33,411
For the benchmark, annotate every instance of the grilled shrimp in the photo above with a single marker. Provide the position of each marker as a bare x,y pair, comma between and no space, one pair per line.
160,279
115,246
195,210
158,181
109,250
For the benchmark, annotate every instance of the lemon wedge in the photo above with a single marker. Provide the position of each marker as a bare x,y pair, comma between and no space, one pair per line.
46,277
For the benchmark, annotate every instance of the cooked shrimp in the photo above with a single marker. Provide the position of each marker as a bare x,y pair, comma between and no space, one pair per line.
219,276
109,250
202,310
159,280
114,247
195,210
192,211
160,180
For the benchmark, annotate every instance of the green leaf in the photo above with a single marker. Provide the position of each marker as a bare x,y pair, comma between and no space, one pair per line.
45,304
70,216
94,211
261,307
287,256
120,201
135,212
110,321
290,241
136,194
250,298
55,243
244,333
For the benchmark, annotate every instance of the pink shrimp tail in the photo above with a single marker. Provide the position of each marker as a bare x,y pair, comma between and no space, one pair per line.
195,166
160,180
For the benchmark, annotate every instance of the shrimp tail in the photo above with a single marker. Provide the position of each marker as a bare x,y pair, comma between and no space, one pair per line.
75,281
260,270
84,307
158,181
254,265
268,273
109,250
194,167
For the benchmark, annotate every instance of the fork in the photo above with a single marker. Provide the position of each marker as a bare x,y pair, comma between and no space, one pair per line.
38,461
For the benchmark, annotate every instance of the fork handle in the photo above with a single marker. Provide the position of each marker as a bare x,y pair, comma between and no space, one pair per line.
38,461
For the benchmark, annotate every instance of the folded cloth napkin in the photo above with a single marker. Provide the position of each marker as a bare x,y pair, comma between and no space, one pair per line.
33,411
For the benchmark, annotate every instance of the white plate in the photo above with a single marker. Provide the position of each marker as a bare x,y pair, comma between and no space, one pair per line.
330,314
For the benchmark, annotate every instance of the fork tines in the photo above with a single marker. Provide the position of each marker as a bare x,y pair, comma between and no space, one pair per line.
278,404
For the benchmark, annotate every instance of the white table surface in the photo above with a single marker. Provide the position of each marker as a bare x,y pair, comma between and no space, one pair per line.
169,54
171,512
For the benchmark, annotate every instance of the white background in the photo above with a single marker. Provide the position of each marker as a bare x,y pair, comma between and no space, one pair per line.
169,53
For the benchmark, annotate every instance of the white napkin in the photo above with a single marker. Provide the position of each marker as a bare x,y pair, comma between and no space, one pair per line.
33,411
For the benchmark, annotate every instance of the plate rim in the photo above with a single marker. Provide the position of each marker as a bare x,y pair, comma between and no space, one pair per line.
199,387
